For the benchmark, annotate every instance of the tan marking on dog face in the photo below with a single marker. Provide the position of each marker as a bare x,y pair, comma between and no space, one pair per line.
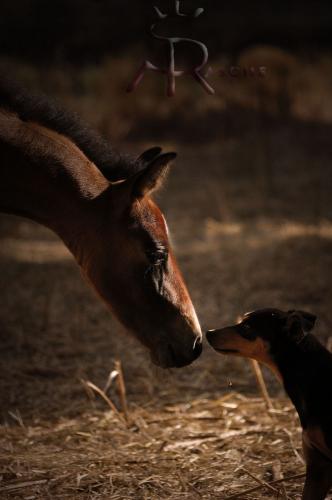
228,340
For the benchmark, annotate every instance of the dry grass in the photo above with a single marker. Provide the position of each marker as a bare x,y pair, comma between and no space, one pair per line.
206,448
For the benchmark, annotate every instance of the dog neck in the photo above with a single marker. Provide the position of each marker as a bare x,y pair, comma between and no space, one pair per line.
306,372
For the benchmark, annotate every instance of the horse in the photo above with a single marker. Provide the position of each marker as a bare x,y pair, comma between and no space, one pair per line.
59,173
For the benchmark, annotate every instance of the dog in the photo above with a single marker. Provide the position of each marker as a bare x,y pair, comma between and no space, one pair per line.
284,342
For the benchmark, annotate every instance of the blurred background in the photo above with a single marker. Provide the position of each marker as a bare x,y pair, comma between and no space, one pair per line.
248,202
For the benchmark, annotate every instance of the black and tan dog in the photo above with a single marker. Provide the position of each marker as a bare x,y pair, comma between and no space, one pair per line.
282,340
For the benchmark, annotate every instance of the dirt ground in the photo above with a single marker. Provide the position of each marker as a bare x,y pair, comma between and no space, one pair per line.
250,217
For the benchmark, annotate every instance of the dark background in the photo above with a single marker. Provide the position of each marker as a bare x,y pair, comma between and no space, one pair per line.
84,31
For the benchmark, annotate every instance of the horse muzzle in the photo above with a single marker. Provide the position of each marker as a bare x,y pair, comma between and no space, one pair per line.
170,356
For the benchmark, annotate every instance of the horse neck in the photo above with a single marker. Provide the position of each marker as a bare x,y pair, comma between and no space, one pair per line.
44,176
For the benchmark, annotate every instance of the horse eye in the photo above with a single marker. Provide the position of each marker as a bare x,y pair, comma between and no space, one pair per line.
158,257
155,270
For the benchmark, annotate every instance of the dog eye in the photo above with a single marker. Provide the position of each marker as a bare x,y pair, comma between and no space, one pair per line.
246,331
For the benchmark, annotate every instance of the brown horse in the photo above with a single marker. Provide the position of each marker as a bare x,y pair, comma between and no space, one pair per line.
60,174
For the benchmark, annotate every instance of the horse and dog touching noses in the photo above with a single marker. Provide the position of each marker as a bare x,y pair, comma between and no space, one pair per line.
60,174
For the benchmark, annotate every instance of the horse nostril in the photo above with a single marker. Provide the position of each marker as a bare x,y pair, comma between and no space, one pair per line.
198,346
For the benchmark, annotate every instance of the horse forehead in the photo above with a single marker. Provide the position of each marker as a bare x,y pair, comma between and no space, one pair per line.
151,218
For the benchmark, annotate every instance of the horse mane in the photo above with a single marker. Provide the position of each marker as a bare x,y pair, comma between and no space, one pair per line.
47,112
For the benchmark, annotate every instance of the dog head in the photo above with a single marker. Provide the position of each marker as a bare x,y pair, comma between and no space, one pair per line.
259,334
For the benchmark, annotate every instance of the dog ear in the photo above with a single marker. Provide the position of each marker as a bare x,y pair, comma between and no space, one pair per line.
299,324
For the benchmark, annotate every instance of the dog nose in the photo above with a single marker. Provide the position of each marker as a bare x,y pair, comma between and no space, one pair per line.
209,335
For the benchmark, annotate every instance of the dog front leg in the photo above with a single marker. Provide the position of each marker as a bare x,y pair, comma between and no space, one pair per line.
319,474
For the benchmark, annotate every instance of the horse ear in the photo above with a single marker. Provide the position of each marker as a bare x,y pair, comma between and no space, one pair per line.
149,155
144,159
299,324
151,177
